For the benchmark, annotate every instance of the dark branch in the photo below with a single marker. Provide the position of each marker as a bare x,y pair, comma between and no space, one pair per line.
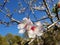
48,10
10,17
57,12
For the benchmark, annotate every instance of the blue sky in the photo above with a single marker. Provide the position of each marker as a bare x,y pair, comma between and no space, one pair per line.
13,4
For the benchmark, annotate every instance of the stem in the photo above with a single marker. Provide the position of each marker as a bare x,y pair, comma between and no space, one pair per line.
57,12
48,10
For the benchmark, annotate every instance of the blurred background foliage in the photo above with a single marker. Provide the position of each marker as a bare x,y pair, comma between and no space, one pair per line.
50,37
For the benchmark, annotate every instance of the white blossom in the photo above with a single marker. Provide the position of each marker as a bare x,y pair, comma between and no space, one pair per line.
21,31
32,30
21,26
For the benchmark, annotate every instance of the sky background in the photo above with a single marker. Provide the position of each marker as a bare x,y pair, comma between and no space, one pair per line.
13,4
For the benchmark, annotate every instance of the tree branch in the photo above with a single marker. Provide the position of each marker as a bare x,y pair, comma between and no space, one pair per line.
48,10
10,17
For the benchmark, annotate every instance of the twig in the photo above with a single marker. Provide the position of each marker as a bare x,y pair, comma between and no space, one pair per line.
57,12
52,24
10,17
48,10
31,41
